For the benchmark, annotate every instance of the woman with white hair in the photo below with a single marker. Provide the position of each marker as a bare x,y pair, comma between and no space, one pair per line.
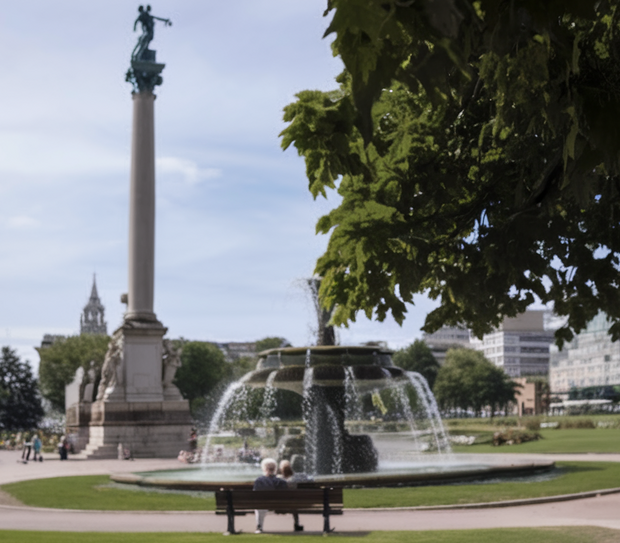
267,481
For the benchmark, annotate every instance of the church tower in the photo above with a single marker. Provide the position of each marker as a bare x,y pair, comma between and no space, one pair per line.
92,318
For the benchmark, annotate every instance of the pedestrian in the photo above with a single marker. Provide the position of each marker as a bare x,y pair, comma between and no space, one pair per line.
62,447
36,445
267,481
26,449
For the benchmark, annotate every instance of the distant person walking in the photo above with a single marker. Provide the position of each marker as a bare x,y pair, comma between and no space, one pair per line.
267,481
36,445
27,448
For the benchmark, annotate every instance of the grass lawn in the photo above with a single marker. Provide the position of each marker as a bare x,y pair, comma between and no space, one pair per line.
92,492
580,534
597,440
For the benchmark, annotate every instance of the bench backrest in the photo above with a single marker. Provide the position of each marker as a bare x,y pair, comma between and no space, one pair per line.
280,500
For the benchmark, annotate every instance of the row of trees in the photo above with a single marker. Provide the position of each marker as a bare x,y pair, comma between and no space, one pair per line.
467,381
204,369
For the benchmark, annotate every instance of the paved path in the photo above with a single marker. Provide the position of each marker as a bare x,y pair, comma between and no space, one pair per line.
602,511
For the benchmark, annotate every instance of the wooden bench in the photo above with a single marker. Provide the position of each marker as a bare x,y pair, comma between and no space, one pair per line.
317,501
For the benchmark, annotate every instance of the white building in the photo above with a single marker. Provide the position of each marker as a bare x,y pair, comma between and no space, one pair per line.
590,359
520,345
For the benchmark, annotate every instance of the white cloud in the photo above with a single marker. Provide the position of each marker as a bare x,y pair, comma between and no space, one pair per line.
191,172
21,222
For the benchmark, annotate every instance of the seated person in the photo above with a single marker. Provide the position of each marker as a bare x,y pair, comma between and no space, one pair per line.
291,478
268,481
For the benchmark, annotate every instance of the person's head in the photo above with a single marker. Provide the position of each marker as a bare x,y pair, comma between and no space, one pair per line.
285,469
269,466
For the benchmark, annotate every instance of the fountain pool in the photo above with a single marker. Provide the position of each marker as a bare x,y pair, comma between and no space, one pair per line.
360,421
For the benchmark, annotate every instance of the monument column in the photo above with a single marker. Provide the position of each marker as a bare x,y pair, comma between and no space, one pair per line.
137,404
142,210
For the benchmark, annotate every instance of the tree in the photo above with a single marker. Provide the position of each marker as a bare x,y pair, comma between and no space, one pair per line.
203,367
475,149
271,343
20,404
60,361
418,357
469,381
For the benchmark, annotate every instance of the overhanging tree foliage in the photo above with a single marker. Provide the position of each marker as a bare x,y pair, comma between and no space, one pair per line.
20,404
475,146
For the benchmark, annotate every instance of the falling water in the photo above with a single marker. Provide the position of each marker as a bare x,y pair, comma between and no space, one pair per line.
408,413
308,358
353,402
269,398
307,413
222,407
336,432
430,406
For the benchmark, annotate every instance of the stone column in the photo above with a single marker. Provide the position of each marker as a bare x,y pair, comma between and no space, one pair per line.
142,210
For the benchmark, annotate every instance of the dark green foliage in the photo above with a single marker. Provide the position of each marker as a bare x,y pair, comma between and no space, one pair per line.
271,343
60,361
418,357
203,368
475,149
468,381
20,404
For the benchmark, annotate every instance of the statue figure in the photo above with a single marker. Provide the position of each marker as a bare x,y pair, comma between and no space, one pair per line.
148,32
171,359
112,370
89,383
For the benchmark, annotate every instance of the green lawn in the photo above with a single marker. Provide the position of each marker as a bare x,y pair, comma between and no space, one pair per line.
92,492
575,477
598,440
579,534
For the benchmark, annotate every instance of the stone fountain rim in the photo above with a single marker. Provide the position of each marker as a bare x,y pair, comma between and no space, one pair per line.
368,480
328,349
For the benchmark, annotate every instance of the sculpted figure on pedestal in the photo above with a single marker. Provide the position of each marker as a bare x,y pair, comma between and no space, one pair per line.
171,359
148,32
112,370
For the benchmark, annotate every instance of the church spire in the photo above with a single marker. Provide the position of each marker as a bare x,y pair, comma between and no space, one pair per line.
92,318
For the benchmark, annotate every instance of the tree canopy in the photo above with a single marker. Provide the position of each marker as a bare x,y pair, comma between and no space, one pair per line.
475,147
271,342
20,404
203,367
469,381
60,361
418,357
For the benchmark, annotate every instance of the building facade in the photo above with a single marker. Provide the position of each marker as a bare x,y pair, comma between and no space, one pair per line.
520,346
446,338
591,359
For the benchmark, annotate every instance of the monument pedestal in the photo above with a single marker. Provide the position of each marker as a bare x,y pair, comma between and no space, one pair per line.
148,429
133,407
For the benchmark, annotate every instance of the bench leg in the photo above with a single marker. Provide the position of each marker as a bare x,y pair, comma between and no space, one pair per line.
326,527
230,512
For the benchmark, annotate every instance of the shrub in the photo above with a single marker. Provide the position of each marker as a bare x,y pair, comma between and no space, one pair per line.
514,436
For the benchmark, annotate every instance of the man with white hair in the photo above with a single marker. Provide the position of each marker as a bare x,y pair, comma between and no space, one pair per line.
268,481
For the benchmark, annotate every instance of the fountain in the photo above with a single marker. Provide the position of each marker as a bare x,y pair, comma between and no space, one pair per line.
362,421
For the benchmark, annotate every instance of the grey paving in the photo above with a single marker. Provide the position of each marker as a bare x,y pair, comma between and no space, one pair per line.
602,511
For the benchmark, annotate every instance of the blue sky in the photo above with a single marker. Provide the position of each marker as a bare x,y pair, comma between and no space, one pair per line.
235,221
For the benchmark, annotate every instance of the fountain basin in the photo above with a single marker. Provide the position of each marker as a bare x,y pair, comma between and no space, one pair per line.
395,473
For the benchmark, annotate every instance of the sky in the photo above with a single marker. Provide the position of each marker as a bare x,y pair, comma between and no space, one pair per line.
235,222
